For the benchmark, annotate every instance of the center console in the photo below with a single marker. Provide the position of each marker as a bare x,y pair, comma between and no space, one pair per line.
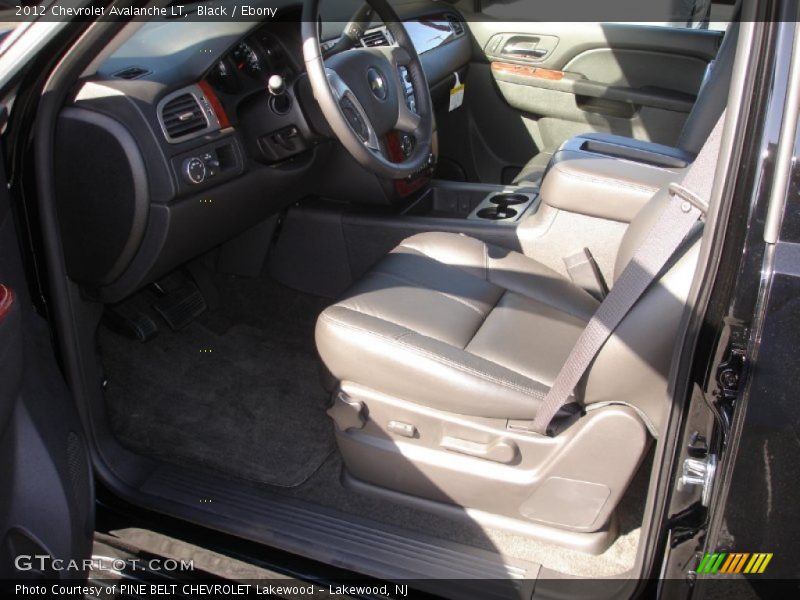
490,204
325,246
609,176
595,184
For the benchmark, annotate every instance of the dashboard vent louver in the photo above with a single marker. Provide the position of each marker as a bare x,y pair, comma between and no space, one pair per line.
131,73
456,24
376,37
183,116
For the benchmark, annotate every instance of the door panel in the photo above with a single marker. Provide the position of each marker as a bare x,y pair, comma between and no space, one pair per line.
46,495
640,69
533,85
576,38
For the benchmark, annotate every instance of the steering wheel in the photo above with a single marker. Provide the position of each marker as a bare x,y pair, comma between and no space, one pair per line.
361,95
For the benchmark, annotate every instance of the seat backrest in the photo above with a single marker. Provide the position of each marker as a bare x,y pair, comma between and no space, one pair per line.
713,95
633,366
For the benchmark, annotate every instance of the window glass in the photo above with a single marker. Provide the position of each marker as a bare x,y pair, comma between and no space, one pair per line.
693,14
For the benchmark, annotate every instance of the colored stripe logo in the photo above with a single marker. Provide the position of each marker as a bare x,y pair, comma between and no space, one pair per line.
734,562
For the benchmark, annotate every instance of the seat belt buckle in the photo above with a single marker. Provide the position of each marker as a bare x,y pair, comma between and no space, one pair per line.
584,272
688,198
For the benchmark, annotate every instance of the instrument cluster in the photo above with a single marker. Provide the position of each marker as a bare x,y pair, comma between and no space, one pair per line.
250,64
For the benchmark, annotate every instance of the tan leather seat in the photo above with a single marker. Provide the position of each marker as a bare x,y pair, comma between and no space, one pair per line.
456,324
444,351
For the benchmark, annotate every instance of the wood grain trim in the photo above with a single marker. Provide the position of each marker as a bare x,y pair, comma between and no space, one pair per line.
526,71
404,187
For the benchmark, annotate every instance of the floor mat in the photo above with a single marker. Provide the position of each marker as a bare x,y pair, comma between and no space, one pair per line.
237,391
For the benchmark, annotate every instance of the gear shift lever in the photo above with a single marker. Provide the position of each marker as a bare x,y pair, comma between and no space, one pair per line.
276,85
279,100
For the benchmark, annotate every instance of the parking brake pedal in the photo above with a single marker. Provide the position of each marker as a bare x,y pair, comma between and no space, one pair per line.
137,327
181,306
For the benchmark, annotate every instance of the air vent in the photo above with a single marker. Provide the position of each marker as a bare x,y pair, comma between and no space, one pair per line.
131,73
182,116
375,37
456,24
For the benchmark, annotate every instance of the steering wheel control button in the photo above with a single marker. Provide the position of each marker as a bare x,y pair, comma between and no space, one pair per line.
355,120
377,84
194,170
411,101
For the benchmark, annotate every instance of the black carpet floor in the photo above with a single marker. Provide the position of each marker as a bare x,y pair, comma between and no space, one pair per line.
237,391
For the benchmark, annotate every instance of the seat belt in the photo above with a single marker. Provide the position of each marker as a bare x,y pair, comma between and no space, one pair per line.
688,203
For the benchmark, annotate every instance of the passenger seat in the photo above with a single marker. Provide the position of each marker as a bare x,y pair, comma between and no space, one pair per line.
706,111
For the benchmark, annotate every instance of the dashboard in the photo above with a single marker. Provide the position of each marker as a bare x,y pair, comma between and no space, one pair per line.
166,152
427,33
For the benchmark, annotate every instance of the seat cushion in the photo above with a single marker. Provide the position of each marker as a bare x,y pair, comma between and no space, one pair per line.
452,323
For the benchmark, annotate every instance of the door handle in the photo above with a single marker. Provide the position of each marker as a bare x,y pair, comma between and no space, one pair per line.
524,50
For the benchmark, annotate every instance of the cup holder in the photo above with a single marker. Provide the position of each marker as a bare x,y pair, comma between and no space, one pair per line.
509,199
496,213
503,206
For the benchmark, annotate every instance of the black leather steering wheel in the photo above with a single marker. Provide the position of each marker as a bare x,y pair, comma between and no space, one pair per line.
362,96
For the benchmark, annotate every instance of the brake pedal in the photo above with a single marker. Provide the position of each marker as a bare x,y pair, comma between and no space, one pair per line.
137,327
181,306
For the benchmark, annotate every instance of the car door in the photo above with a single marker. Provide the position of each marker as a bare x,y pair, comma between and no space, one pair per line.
532,85
46,494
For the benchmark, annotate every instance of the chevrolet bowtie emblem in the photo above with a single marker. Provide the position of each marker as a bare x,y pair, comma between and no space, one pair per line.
376,83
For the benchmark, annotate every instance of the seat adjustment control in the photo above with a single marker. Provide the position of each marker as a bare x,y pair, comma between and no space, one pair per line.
499,450
347,413
403,429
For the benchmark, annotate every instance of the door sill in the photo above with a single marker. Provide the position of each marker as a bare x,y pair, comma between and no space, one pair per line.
330,536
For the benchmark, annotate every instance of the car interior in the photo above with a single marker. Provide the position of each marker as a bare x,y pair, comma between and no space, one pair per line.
324,271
